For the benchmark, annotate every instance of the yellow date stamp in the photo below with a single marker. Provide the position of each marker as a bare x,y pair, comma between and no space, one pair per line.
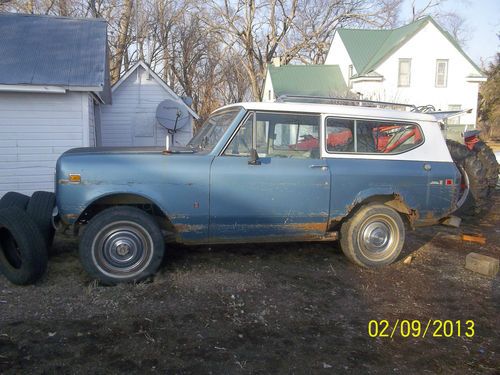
418,328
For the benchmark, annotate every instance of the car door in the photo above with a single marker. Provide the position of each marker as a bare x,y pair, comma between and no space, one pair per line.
283,195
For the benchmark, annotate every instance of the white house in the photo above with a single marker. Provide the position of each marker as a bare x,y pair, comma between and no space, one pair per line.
419,63
131,120
53,77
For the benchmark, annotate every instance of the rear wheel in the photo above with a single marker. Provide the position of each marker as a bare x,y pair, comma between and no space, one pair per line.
121,244
374,236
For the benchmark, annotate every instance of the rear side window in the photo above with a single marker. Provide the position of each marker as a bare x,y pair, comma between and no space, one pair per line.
340,135
371,136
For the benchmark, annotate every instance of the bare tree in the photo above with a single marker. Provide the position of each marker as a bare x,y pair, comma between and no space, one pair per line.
292,30
123,40
217,52
428,8
451,20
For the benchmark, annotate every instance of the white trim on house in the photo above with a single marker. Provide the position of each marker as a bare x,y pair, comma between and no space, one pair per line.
157,79
33,88
84,88
85,121
374,78
476,79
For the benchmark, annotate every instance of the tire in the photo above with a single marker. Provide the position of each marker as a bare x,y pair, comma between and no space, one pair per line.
124,229
374,236
23,254
40,207
473,172
14,199
487,157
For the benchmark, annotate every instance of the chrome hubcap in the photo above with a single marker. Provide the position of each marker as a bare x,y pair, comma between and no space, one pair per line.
376,236
122,249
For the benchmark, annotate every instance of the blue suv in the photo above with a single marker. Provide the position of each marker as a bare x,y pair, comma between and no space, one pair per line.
262,172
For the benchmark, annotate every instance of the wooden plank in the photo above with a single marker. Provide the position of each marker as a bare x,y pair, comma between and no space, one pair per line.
474,238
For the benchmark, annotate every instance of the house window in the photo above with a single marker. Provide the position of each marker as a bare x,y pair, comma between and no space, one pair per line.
454,120
350,74
441,73
404,72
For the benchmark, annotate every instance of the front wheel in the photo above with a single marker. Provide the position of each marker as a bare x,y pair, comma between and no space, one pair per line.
374,236
121,244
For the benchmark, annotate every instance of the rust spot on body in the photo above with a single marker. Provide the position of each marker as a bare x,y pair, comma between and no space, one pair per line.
308,227
183,228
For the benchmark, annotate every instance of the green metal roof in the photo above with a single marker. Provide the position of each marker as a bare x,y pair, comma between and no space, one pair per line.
369,48
318,80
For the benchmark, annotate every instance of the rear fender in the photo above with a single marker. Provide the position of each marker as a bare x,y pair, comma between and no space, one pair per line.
386,195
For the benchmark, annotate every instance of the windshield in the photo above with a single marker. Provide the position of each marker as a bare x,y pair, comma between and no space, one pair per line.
212,130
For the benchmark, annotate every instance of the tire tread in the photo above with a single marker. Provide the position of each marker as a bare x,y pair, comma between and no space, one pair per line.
30,243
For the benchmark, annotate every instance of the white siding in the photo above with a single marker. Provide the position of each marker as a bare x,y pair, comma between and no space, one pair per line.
131,119
35,129
268,95
338,55
424,49
427,46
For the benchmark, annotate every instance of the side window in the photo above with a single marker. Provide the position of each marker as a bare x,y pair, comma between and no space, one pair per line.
441,73
339,135
287,135
371,136
386,137
404,72
241,144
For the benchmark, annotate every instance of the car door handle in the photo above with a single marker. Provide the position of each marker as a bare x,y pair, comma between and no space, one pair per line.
322,167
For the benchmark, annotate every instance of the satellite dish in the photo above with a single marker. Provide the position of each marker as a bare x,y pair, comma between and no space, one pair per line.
172,115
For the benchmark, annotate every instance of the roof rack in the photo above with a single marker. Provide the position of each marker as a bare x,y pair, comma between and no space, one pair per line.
345,101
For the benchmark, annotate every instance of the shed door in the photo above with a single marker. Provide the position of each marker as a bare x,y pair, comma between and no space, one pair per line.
143,128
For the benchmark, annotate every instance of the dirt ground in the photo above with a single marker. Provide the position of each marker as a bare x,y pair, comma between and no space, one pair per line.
291,308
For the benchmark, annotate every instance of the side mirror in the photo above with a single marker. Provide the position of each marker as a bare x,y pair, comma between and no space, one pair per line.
254,157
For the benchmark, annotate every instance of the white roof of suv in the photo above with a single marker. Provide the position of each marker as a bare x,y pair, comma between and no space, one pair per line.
336,109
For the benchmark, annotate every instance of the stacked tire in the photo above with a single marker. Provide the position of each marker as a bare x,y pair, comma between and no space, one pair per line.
26,234
479,170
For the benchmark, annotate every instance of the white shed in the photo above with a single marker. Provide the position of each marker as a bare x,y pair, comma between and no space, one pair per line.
53,77
131,120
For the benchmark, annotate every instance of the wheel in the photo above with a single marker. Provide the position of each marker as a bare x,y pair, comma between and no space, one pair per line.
14,199
487,157
40,207
23,254
374,236
473,198
121,244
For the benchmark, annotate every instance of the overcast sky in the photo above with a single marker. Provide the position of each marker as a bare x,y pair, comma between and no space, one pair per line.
483,20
